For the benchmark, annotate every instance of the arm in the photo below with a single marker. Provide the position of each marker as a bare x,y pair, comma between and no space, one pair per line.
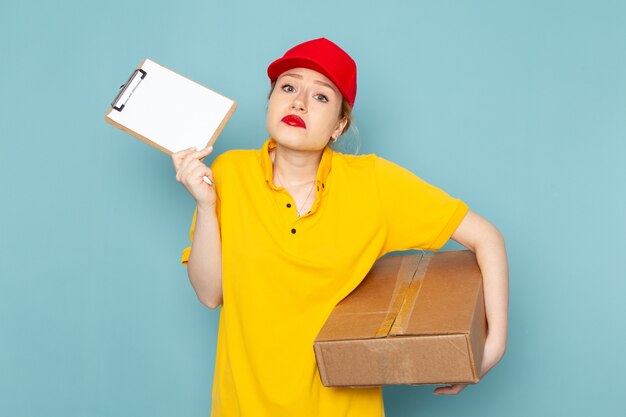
482,238
204,266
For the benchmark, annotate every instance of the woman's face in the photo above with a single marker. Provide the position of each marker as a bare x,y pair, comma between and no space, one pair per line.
304,110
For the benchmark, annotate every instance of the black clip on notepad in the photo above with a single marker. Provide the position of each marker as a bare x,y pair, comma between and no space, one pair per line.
126,88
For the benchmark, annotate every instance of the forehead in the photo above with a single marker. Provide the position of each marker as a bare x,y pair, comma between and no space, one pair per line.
309,75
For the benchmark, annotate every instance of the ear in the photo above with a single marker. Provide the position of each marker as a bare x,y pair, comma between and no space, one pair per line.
339,128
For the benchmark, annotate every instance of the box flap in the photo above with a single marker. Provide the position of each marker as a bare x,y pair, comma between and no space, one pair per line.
450,292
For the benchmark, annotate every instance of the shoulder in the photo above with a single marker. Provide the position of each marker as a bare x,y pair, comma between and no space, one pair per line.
369,163
354,163
389,169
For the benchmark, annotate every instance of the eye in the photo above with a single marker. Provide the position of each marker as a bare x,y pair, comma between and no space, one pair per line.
322,98
287,88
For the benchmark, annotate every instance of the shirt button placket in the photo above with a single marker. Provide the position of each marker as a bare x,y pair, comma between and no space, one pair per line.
293,229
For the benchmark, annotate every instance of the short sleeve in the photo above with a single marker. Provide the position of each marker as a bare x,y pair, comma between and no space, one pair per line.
185,256
215,168
417,214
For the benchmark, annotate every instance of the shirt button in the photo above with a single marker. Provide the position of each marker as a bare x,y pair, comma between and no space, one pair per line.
293,231
288,205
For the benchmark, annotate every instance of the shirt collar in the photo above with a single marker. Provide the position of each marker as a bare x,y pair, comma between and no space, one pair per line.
268,168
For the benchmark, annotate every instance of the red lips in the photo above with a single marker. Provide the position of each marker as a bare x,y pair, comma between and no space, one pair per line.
293,120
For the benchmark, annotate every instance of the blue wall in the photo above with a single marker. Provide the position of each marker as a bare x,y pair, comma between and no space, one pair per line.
519,108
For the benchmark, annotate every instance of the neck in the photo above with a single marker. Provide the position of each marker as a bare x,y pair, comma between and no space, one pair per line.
295,167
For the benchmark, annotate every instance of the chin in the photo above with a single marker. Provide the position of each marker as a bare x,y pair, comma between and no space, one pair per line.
295,138
297,144
290,142
288,135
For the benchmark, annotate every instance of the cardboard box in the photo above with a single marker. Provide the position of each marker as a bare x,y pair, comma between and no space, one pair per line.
415,319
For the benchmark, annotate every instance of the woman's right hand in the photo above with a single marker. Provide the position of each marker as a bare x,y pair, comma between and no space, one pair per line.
190,171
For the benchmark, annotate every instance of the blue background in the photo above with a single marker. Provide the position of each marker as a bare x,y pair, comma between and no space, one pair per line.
516,107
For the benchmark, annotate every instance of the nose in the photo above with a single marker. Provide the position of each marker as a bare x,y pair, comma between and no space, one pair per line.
298,102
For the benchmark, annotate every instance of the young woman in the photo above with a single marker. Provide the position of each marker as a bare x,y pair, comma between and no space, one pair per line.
287,231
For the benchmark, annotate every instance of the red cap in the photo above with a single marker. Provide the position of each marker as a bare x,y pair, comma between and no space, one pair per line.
322,56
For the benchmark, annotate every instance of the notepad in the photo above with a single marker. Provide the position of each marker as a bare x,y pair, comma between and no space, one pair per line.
169,111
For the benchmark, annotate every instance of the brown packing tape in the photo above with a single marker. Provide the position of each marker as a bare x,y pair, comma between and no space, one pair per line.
407,307
411,271
410,297
406,271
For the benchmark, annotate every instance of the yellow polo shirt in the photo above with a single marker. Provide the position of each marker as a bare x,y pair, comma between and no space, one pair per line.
282,275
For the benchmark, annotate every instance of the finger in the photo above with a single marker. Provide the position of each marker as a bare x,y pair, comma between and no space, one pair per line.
208,176
181,154
205,174
196,156
188,162
203,153
450,389
185,167
178,157
198,172
193,172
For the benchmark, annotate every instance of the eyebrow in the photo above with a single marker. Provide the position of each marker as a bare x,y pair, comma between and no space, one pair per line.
298,76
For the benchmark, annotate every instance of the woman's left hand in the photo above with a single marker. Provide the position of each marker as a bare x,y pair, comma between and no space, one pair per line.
492,354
